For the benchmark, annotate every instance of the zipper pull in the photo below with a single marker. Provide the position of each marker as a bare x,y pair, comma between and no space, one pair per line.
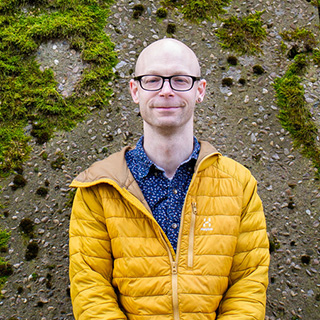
194,208
174,268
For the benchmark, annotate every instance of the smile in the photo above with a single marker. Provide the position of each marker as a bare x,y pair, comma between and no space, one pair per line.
167,107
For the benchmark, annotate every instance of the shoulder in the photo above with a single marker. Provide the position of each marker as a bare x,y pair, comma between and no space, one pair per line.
233,169
113,167
221,166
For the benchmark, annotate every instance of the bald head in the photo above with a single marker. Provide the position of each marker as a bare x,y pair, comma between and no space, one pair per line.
163,107
166,53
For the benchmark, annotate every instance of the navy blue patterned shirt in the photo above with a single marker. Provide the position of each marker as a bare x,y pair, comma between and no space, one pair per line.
165,196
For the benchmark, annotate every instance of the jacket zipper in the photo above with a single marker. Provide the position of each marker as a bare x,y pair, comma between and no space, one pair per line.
174,280
174,263
191,234
175,301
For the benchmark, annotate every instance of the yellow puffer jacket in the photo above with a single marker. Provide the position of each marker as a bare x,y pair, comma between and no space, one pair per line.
122,265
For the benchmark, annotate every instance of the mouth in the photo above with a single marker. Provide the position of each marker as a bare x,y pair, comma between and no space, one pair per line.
167,106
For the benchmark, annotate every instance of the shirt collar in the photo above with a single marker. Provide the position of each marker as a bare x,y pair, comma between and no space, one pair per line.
142,164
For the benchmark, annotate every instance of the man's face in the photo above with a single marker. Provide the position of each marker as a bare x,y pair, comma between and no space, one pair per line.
166,108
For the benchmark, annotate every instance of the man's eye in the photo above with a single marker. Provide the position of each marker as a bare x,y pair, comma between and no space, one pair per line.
151,80
180,80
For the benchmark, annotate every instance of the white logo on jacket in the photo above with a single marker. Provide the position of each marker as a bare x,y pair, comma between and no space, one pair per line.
206,225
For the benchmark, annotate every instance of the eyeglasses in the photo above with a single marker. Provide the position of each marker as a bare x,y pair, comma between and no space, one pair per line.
177,82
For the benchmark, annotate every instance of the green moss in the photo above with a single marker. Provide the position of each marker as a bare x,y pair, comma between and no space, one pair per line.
32,251
34,276
257,69
242,35
302,40
294,114
42,191
299,66
232,60
44,155
4,238
70,196
171,28
30,96
5,267
242,81
14,149
161,13
137,10
41,132
293,52
316,57
274,244
26,226
18,182
316,3
283,47
227,82
198,10
58,162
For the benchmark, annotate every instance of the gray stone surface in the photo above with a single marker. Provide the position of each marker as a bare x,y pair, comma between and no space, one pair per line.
241,121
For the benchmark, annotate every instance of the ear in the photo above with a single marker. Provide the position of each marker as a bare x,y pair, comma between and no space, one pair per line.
201,90
134,90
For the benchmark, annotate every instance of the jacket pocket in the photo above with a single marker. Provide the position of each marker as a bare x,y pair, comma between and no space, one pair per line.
191,234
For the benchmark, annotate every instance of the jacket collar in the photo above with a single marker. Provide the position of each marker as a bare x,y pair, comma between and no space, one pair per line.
115,169
141,165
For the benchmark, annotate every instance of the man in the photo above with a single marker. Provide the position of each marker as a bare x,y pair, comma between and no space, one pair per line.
170,229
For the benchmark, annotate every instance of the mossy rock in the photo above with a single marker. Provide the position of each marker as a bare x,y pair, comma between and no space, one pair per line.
294,114
32,251
243,35
227,82
58,162
171,28
30,96
26,226
18,182
232,60
161,13
199,10
257,69
6,270
42,191
138,9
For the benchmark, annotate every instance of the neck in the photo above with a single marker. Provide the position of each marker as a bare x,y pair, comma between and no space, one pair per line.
168,150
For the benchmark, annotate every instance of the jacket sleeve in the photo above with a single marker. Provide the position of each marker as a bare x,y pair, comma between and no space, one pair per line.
246,295
91,263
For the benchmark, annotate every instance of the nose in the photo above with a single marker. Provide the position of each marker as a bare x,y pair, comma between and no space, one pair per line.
166,89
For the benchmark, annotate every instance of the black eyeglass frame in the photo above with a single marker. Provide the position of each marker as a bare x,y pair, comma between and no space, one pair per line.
194,79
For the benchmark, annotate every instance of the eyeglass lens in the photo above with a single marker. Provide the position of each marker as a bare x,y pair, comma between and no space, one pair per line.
179,83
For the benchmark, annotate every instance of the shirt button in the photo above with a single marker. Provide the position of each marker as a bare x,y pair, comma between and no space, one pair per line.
175,191
174,226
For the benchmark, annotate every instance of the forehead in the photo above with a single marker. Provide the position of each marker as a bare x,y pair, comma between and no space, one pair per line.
167,58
